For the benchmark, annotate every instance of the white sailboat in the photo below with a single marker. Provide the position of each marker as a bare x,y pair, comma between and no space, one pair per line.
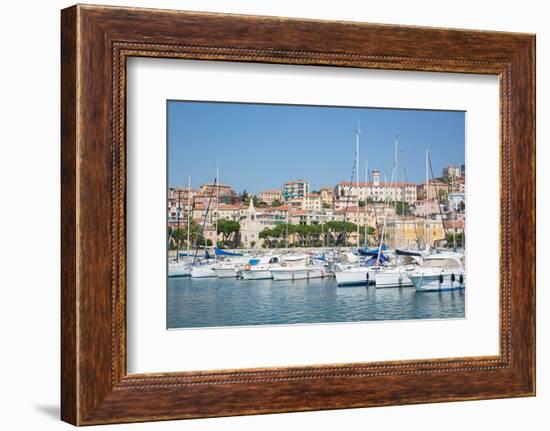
366,274
205,269
202,270
229,268
179,267
398,274
356,276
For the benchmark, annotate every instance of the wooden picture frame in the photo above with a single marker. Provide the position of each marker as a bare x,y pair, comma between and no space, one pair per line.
95,43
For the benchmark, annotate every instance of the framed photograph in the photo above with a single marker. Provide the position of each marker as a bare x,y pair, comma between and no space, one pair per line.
265,215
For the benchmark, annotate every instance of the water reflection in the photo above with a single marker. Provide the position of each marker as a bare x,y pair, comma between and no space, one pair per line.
213,302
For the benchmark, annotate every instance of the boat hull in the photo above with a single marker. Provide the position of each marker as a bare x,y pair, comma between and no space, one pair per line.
297,273
354,278
225,272
437,282
388,279
202,272
181,270
250,274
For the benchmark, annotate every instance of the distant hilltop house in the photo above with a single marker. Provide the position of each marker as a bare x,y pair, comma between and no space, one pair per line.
452,171
439,188
295,189
271,195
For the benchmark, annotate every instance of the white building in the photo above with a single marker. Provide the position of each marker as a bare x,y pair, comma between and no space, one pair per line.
376,190
251,227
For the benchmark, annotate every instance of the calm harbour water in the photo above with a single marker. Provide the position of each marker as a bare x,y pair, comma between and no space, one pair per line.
214,302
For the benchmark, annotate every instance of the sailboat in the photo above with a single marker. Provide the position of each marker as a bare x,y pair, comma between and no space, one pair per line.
204,269
398,275
357,275
180,267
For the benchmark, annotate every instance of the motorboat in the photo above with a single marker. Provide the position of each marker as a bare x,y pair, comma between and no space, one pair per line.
299,268
439,272
260,268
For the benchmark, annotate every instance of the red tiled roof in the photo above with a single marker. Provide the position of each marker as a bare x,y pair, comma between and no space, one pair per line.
453,224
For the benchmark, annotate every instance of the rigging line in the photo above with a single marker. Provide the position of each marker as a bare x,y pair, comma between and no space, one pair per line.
437,196
415,226
342,233
203,225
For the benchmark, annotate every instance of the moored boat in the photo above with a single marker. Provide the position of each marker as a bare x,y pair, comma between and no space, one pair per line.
302,272
396,276
260,268
178,269
225,270
439,272
202,271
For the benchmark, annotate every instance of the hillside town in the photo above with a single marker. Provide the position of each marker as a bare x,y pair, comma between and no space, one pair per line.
412,215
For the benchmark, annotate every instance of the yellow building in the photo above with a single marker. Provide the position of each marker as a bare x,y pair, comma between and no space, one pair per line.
413,232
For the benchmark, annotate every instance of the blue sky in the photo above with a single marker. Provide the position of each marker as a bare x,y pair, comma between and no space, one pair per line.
260,146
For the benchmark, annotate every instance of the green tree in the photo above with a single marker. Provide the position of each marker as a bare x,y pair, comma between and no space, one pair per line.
459,239
267,236
276,203
338,231
178,237
403,206
229,230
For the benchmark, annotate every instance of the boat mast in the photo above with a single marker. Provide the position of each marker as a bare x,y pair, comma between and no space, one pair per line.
188,214
428,246
366,199
357,133
454,214
394,190
217,205
403,189
178,228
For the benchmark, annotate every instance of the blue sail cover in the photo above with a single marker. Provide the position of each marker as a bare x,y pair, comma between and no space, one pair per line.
407,253
220,252
373,252
207,255
373,259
